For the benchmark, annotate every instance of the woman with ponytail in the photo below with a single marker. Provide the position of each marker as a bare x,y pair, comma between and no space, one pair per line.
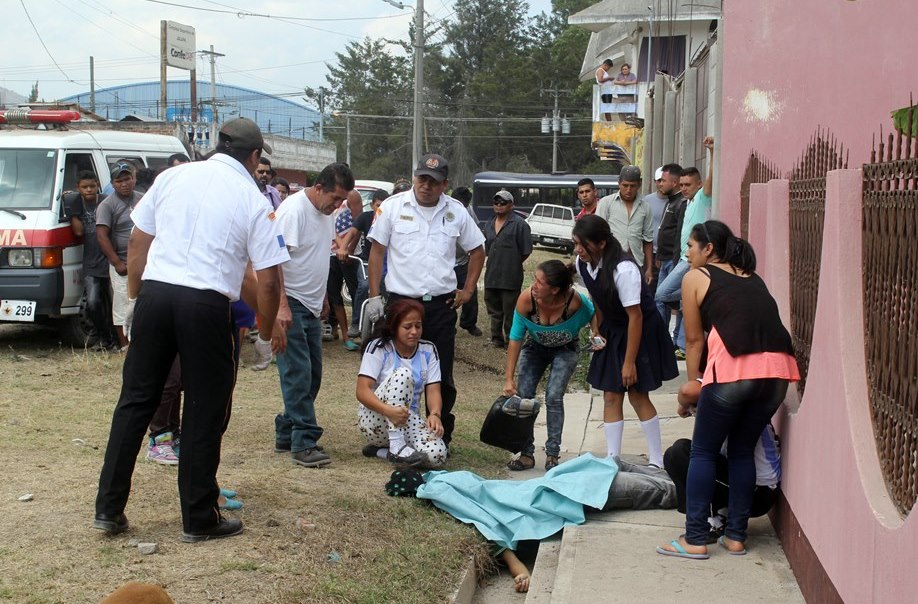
737,379
637,355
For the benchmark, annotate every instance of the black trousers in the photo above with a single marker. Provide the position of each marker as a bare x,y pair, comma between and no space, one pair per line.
676,463
468,314
196,324
440,328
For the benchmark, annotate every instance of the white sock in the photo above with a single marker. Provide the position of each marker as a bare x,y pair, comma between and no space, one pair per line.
651,429
382,453
396,440
614,437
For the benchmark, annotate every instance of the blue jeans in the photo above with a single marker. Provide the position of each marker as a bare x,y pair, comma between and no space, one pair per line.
736,412
300,368
668,291
534,360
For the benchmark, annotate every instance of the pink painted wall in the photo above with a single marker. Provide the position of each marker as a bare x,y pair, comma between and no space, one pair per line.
832,477
792,65
788,67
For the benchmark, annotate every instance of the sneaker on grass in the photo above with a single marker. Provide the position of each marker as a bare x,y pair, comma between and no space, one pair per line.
161,450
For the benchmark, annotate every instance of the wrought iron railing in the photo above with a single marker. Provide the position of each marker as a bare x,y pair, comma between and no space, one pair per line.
758,170
891,309
807,209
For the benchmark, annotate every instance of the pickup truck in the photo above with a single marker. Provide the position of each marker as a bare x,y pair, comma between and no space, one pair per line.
551,226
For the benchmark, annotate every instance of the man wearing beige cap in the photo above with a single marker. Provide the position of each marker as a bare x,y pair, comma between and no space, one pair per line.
416,233
508,242
195,231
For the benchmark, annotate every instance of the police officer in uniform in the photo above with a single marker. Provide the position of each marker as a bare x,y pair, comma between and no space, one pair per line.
195,231
416,234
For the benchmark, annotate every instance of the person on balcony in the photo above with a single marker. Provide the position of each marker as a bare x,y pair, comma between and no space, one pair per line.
605,86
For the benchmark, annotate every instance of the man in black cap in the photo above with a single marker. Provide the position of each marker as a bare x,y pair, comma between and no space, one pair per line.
186,259
417,233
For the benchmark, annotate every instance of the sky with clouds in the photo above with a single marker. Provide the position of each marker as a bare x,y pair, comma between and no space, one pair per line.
50,41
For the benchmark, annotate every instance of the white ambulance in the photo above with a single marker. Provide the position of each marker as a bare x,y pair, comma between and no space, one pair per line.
40,257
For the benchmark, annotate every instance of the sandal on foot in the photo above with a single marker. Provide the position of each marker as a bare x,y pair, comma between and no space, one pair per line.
551,461
679,552
228,493
732,552
523,462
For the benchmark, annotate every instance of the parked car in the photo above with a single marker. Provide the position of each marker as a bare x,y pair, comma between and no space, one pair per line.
551,226
366,188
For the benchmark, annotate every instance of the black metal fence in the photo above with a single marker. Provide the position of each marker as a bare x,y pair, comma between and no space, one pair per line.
891,308
807,210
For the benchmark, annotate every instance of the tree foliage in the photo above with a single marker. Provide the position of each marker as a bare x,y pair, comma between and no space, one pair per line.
488,68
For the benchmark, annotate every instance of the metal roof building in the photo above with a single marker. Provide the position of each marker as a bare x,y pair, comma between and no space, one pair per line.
273,114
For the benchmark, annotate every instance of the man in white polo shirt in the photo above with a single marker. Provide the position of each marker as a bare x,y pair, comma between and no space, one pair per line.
306,222
195,231
416,234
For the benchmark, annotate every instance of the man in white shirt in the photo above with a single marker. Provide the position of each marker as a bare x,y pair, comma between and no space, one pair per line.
308,227
416,234
195,231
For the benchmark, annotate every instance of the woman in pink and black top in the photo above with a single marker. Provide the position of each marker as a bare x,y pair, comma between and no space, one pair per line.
738,378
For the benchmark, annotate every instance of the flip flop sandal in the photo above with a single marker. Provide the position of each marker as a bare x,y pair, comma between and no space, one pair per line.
680,552
732,552
518,464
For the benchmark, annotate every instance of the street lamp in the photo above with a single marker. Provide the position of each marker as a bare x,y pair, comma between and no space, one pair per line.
418,132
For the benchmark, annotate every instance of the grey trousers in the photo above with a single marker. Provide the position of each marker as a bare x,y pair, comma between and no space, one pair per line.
640,488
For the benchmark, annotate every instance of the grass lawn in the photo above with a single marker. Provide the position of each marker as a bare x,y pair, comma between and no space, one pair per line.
312,535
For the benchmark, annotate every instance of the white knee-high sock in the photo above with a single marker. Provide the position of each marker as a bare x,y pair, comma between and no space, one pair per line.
614,437
651,429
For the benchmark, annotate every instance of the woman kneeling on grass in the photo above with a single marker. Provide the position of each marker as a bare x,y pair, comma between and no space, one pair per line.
749,364
552,313
396,369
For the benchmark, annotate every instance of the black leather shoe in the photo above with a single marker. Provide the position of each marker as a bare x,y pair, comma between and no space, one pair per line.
227,527
111,524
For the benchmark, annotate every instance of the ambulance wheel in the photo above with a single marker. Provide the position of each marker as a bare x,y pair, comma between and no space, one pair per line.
77,330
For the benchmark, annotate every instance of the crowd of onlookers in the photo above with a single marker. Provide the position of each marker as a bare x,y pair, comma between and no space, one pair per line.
192,276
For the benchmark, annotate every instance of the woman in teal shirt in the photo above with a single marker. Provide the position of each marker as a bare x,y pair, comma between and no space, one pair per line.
552,314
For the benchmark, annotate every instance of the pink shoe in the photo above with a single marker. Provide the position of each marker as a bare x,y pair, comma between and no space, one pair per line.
161,450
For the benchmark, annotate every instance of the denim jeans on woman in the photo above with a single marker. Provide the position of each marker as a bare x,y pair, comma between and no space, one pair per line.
736,412
534,360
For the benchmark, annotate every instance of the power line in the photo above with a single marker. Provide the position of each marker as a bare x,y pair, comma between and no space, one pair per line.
32,23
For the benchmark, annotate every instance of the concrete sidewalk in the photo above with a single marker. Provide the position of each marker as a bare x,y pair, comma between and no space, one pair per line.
612,557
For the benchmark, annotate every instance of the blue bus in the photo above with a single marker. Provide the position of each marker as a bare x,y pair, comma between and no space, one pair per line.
530,189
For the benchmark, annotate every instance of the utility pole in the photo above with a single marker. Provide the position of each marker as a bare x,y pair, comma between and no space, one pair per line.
417,136
163,98
348,121
418,85
321,115
556,125
213,92
92,84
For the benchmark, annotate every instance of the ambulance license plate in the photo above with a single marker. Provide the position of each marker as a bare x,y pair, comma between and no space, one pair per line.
17,310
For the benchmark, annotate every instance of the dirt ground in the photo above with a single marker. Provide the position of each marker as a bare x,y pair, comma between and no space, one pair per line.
311,535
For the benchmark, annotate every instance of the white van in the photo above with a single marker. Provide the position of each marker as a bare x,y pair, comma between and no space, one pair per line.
551,225
41,260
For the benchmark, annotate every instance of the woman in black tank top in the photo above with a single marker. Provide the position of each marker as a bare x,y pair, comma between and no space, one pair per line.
722,295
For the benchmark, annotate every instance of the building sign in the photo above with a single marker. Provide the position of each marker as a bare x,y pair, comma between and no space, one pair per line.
179,45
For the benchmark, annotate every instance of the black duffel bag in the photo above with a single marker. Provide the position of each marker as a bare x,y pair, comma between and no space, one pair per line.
509,423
